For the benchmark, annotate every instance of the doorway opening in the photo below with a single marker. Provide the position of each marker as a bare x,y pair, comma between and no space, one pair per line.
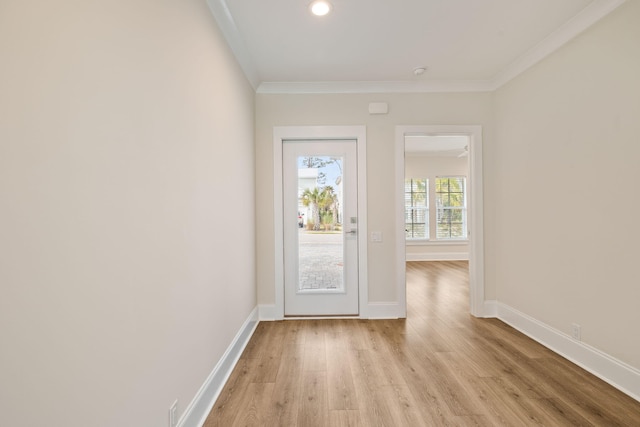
439,202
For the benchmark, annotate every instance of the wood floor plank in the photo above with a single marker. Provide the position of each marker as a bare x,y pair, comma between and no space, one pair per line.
465,397
517,367
561,413
340,386
507,400
254,406
286,396
266,369
473,421
313,409
345,418
259,343
315,349
401,405
412,358
294,337
439,367
231,400
357,335
600,404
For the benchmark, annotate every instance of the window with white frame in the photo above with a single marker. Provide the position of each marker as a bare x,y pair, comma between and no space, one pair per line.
416,208
451,211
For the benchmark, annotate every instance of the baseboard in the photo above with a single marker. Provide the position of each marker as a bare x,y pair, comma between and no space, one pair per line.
438,256
374,310
490,309
201,405
384,310
620,375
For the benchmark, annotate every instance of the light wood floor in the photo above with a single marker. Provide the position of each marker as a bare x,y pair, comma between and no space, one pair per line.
440,366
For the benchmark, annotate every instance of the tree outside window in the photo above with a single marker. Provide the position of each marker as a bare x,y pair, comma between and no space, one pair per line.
451,212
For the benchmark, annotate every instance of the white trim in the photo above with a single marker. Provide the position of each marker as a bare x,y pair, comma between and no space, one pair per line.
425,86
199,408
424,242
283,133
401,262
229,29
591,14
490,308
475,218
363,269
475,222
438,256
278,226
321,317
385,310
611,370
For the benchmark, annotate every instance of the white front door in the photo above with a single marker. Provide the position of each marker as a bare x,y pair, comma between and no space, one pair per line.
320,227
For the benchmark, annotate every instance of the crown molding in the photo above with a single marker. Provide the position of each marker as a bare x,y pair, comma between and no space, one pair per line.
229,29
422,86
591,14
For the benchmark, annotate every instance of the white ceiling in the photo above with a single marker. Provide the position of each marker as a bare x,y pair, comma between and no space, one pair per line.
374,45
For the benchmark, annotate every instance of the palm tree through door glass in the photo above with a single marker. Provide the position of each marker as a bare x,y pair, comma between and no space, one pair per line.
320,239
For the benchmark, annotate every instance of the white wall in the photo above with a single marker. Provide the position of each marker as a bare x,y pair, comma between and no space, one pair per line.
564,197
127,247
430,167
352,109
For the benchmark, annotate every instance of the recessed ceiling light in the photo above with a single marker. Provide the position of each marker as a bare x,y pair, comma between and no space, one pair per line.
320,7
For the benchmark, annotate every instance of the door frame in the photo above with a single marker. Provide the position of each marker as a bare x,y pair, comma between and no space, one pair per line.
475,218
319,133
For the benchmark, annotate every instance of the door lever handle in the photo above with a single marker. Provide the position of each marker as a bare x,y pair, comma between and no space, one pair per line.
352,231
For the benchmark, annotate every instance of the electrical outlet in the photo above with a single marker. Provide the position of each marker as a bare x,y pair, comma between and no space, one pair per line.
576,331
173,414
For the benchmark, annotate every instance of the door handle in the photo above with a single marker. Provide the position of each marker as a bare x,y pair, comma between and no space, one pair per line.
355,231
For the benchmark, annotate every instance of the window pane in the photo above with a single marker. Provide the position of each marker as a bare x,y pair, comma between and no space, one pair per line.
443,216
419,231
408,228
415,231
456,215
442,200
320,210
419,216
457,231
451,213
408,200
416,211
443,231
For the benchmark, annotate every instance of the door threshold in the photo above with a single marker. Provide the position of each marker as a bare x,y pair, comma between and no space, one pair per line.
319,317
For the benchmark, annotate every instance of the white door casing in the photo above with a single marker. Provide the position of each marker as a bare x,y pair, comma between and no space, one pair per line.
302,133
475,210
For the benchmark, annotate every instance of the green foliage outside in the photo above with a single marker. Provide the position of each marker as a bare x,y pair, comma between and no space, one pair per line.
450,199
323,202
